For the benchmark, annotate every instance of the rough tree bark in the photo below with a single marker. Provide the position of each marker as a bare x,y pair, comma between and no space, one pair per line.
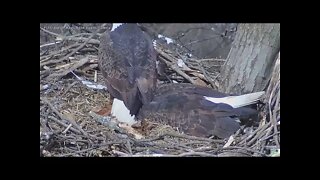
251,59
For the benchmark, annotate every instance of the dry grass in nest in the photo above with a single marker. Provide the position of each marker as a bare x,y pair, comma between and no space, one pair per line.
67,127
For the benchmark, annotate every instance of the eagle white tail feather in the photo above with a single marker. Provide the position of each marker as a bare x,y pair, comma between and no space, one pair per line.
238,101
115,25
121,112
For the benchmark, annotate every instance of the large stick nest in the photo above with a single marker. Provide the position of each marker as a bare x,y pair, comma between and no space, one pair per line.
72,112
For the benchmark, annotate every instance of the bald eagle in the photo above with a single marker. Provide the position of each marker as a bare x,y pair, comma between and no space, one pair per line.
127,60
199,111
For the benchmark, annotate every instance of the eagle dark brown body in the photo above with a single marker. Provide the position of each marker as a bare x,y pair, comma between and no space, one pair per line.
183,106
128,63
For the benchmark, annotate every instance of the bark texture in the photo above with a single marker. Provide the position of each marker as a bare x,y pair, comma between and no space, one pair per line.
251,59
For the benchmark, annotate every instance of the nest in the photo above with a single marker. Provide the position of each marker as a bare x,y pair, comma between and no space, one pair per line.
74,105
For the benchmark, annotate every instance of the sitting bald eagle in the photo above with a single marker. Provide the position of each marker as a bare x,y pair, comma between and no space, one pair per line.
127,60
199,111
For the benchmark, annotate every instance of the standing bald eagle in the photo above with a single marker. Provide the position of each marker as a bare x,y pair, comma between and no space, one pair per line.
127,60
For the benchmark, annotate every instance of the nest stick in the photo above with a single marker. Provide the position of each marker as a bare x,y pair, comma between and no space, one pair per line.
64,125
177,70
45,100
193,137
75,50
47,57
79,64
274,119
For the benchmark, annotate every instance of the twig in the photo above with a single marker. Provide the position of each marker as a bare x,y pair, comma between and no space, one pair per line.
77,152
192,137
73,38
120,153
262,140
45,73
273,116
195,142
274,119
83,73
258,135
173,65
50,44
215,77
89,149
177,146
204,148
77,49
91,67
203,154
79,64
269,136
51,33
150,139
259,129
95,76
45,100
180,136
67,129
63,124
69,87
129,147
150,149
210,59
65,57
176,69
82,34
207,77
231,153
243,148
89,41
43,53
47,57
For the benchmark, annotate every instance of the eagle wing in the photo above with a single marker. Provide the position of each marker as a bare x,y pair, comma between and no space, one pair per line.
183,106
128,63
188,88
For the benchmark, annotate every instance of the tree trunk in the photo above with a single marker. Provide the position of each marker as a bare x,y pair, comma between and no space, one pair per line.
251,59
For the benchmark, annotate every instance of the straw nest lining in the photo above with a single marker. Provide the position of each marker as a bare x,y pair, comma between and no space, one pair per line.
72,112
